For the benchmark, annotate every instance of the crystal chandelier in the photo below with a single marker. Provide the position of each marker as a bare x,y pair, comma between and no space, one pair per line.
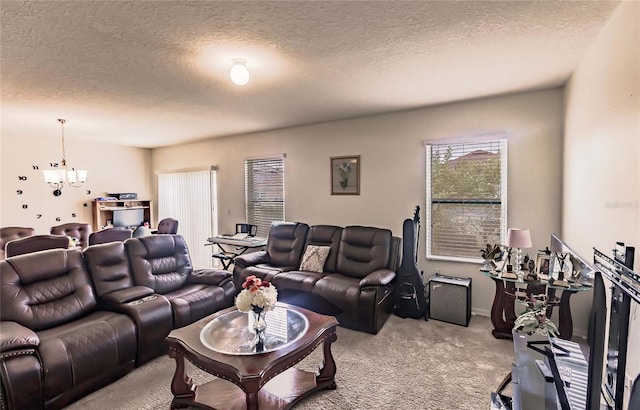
62,173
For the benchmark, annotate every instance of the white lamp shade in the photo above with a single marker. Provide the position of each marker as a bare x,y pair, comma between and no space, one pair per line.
239,73
79,175
82,175
519,238
54,176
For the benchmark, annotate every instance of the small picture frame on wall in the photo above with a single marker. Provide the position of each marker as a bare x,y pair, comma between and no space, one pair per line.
345,175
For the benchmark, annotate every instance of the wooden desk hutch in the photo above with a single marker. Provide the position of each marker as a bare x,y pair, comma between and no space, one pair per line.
103,210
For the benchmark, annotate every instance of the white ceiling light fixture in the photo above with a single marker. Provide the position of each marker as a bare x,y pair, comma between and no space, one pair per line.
239,73
61,174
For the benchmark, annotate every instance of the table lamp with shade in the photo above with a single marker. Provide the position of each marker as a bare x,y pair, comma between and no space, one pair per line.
519,239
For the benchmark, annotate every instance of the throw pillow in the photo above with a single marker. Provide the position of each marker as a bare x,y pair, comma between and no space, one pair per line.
314,258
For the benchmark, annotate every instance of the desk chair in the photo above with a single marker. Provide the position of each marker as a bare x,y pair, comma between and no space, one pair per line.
35,243
168,225
109,235
81,231
10,233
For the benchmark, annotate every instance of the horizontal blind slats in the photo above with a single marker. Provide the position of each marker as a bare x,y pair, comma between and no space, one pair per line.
466,198
264,192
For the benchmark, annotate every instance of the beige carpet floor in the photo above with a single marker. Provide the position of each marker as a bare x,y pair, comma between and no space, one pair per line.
410,364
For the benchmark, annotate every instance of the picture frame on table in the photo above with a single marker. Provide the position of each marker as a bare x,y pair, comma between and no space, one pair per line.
345,175
542,264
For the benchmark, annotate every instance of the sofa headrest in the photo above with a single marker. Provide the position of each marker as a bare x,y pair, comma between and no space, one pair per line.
326,235
160,262
74,230
363,250
45,289
9,233
108,266
286,243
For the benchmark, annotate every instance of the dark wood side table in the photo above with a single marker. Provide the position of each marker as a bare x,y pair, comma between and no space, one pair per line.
221,345
503,313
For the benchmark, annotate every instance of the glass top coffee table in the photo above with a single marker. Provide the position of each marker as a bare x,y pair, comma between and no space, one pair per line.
222,345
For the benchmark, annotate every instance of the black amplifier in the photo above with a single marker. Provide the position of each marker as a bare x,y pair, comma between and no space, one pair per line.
450,299
127,195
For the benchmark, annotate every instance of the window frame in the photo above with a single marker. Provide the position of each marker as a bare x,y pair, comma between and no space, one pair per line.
489,138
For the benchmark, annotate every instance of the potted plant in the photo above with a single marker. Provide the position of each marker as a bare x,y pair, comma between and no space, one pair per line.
490,255
534,318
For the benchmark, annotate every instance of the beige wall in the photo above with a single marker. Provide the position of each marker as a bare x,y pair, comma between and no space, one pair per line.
393,168
111,169
602,150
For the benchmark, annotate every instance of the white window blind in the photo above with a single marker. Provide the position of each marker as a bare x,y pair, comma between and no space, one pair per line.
264,192
466,198
191,198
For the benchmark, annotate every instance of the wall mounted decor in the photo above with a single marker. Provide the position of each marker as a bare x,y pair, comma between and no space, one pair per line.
345,175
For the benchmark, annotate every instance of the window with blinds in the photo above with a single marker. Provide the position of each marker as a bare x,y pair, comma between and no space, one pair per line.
466,198
264,192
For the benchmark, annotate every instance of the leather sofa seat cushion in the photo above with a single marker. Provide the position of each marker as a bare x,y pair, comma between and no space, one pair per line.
264,271
286,243
86,350
297,280
45,291
363,250
326,235
193,302
340,290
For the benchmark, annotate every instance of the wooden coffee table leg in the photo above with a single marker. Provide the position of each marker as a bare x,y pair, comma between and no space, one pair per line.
182,386
328,371
252,400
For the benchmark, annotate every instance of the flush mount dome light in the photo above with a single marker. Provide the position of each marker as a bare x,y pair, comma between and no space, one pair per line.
239,73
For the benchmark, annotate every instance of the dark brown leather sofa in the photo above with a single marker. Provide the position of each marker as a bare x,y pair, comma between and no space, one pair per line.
74,321
356,284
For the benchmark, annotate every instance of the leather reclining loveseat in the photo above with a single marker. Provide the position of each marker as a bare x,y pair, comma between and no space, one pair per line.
355,283
73,321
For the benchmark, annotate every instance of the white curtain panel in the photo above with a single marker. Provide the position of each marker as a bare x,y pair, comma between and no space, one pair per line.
191,198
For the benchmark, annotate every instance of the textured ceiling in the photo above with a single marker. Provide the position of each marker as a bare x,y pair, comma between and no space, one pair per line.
155,73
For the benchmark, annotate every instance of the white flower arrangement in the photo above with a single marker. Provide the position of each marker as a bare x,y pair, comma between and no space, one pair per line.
257,295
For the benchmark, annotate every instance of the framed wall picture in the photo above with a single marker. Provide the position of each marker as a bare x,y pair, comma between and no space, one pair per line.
542,263
345,175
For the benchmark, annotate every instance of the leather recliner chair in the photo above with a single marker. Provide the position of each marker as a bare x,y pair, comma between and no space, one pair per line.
162,263
168,225
9,233
283,252
108,266
80,231
362,285
56,346
109,235
35,243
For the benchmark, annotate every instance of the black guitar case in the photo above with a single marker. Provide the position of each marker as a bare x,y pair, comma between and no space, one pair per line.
411,300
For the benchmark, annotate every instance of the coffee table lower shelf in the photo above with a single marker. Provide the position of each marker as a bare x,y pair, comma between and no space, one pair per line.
281,392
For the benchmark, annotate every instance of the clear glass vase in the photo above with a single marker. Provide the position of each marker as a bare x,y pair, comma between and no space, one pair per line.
259,327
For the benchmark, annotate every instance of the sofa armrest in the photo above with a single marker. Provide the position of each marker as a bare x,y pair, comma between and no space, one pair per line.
20,368
14,336
378,277
208,276
251,259
121,296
